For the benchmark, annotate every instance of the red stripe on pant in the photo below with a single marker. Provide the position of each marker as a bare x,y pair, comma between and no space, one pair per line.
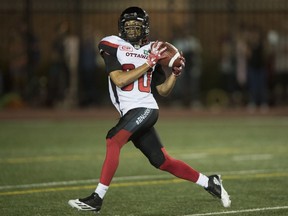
111,162
179,168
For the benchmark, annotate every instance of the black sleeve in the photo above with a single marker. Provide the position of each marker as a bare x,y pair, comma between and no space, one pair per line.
111,62
108,53
159,76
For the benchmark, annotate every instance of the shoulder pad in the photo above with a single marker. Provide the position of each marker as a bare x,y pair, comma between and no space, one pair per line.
110,44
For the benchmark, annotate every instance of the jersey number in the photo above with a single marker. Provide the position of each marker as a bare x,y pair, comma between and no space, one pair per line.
142,86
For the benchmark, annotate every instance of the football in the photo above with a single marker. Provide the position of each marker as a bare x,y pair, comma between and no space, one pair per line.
173,56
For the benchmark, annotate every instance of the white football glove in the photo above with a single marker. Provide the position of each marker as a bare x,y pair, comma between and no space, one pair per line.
156,53
176,71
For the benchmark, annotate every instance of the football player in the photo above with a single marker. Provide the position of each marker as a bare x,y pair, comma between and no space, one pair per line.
131,65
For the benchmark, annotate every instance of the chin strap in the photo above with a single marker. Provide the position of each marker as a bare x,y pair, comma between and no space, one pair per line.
140,43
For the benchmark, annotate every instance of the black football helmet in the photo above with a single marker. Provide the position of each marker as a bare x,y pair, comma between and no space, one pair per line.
142,19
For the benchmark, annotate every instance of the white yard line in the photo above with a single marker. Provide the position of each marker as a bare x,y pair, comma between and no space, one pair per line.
128,178
77,182
252,157
241,211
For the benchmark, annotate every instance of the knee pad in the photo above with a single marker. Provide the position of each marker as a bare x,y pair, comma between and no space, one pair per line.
157,159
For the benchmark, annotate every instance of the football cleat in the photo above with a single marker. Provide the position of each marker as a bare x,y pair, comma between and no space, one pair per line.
90,203
215,187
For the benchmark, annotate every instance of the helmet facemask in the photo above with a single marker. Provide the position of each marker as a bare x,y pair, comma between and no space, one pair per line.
133,30
133,26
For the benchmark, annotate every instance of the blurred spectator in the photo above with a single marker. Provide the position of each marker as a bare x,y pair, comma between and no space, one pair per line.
33,58
88,69
256,68
281,65
228,68
71,45
18,60
62,75
270,62
188,86
58,74
241,54
24,56
241,60
1,83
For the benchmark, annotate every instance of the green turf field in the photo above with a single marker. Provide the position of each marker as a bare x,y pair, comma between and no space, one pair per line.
44,163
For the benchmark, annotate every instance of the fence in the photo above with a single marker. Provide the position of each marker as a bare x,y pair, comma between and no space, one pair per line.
210,21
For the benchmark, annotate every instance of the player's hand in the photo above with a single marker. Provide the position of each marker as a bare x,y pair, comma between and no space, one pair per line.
156,53
176,71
